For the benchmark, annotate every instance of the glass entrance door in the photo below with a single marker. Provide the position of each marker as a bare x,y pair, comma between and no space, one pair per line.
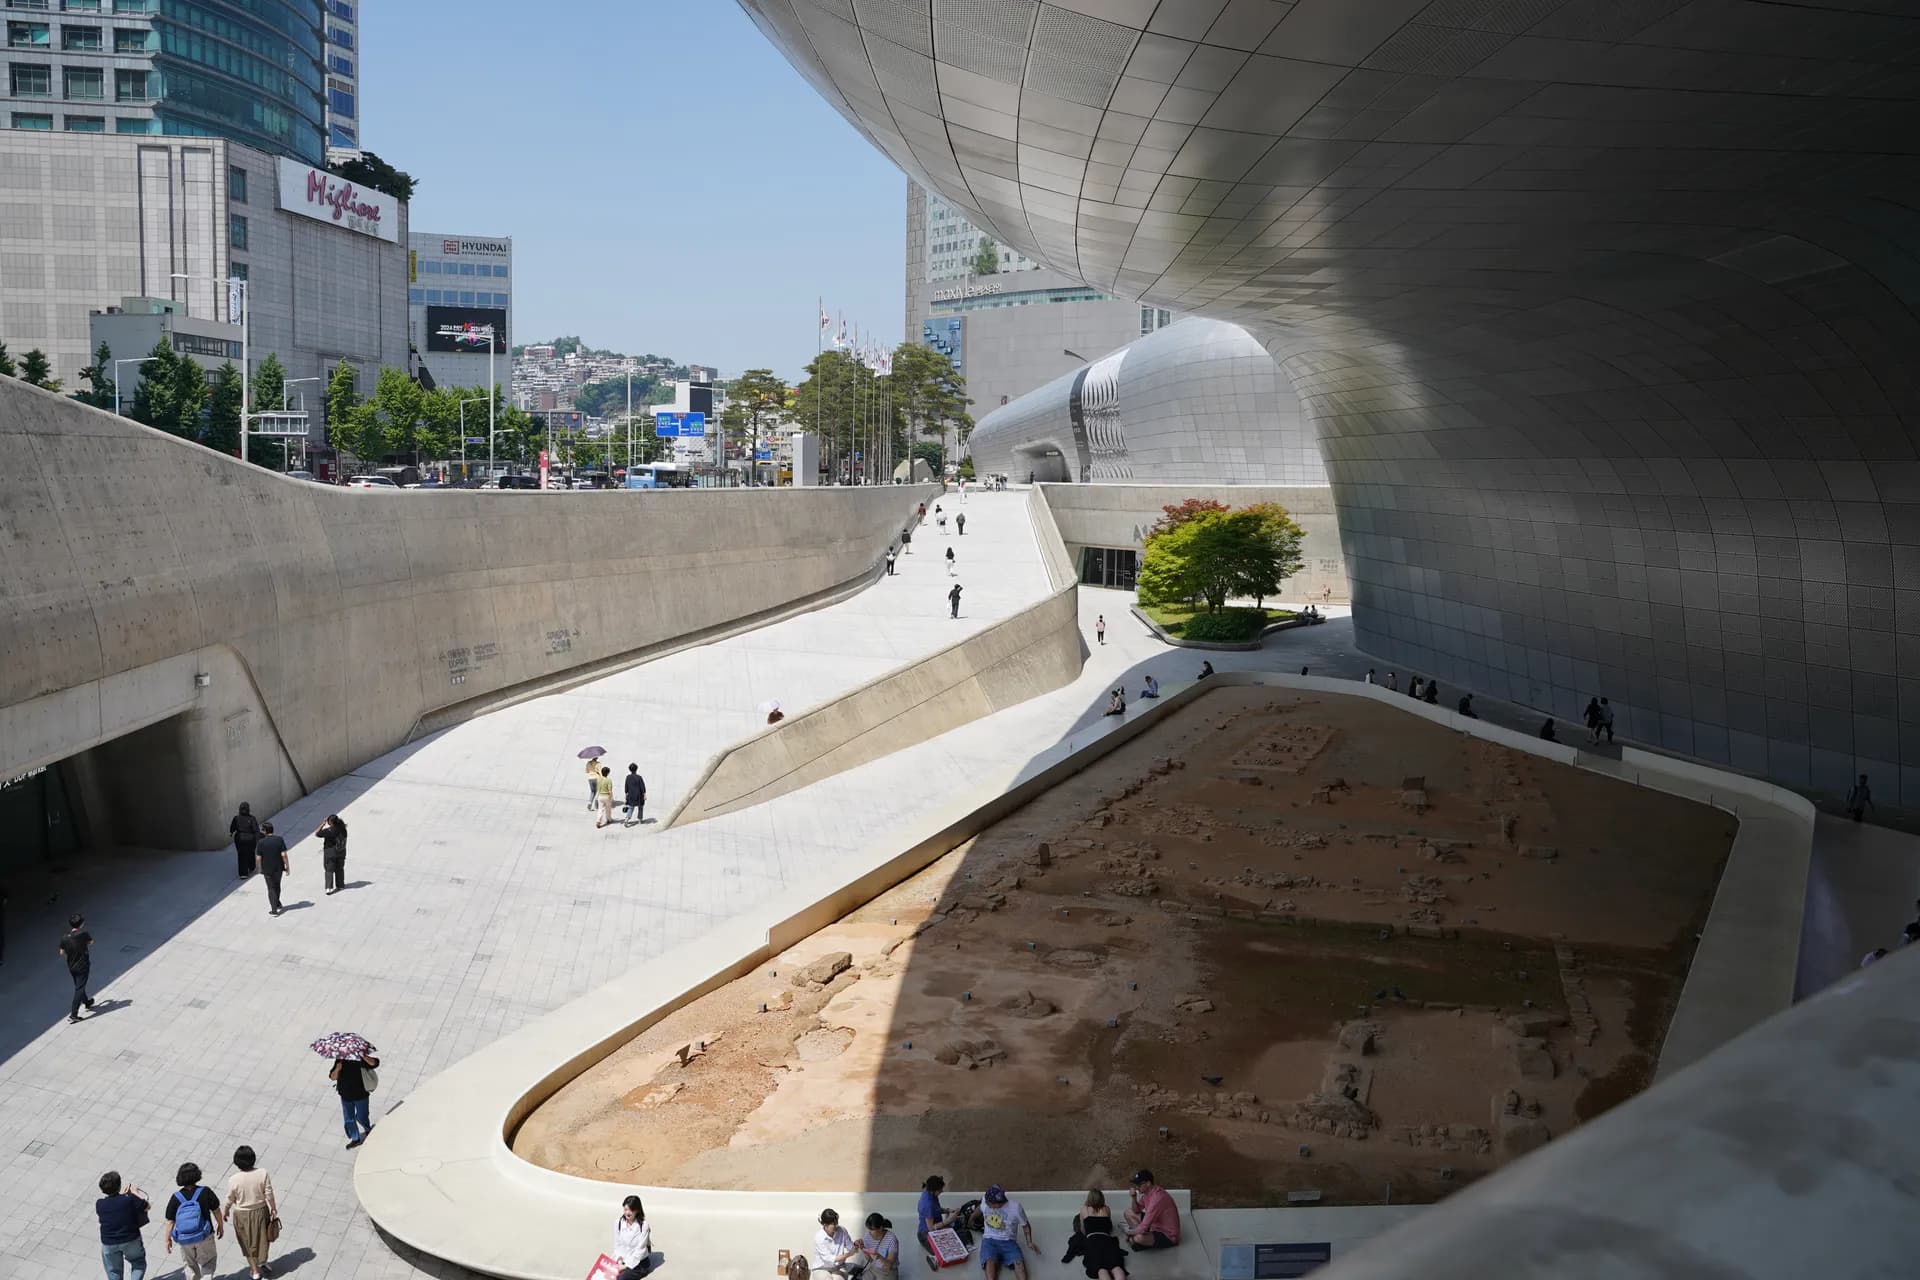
1109,567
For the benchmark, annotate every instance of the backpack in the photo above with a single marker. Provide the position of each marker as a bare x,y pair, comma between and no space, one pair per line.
245,827
190,1223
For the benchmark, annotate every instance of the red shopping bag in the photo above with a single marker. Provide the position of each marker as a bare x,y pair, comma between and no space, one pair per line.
948,1249
605,1269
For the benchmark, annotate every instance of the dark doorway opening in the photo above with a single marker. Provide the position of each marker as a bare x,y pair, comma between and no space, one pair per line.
1109,567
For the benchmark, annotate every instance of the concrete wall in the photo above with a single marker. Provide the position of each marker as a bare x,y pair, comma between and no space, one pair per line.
1033,652
1119,515
328,622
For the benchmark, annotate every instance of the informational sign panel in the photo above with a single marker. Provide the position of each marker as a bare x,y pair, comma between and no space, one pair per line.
328,197
693,425
1276,1261
666,426
543,468
467,330
763,455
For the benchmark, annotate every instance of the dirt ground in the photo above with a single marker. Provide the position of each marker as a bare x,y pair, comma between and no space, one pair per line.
1281,943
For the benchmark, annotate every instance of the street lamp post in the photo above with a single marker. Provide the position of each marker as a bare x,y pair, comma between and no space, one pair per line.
116,378
246,362
463,432
284,384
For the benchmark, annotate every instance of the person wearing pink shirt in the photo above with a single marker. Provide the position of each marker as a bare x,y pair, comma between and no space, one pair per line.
1153,1221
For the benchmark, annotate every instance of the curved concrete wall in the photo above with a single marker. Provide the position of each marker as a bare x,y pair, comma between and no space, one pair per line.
1200,400
1033,652
330,621
1602,312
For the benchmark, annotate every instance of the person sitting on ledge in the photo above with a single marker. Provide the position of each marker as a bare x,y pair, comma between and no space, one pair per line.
1547,734
1206,669
1150,688
1432,695
834,1251
1466,707
1153,1220
1116,703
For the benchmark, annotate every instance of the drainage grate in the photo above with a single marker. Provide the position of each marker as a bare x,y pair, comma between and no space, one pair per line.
36,1149
196,1004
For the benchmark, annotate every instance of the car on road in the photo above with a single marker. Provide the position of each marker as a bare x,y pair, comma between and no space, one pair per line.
371,482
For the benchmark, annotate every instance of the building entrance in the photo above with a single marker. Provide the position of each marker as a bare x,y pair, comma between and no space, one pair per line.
1109,567
36,821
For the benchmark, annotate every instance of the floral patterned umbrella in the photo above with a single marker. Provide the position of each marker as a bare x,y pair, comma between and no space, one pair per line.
342,1044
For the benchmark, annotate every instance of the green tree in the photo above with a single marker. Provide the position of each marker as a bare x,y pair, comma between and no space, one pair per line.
388,421
189,397
99,379
343,397
986,259
755,402
1212,556
152,395
369,170
1286,535
6,363
223,412
269,385
35,371
932,396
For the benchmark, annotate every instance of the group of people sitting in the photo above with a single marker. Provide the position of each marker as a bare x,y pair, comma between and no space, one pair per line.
1908,936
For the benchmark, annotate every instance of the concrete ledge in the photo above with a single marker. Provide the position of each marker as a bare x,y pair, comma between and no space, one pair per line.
1221,645
1033,652
438,1166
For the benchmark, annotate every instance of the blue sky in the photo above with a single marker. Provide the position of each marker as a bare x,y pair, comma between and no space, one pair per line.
671,184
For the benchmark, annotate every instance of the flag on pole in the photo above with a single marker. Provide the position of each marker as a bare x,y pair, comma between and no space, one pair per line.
826,321
840,340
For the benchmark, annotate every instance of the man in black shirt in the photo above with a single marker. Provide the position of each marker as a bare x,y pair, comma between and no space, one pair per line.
272,854
74,948
245,829
636,795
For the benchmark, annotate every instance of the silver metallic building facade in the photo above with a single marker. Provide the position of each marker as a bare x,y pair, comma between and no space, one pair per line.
1199,401
1603,310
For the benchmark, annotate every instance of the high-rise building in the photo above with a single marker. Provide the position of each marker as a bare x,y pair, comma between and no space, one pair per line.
246,70
1011,329
460,288
343,78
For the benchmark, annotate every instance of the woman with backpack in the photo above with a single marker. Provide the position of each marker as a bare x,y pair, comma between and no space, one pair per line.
354,1080
254,1211
194,1222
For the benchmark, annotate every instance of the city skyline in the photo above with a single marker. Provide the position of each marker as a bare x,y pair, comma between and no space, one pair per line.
749,201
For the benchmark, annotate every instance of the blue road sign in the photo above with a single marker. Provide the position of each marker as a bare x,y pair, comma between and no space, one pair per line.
859,456
763,455
693,425
666,425
476,439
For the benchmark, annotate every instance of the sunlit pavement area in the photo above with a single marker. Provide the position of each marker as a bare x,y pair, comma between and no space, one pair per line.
480,896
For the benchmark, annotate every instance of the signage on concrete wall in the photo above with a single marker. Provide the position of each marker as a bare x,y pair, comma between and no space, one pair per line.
473,247
328,197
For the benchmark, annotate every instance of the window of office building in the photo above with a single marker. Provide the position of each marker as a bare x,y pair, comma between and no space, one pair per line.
80,6
433,295
30,80
340,9
500,273
340,101
131,6
466,268
416,296
35,120
135,124
129,40
339,65
129,86
236,184
86,124
466,298
236,231
431,267
342,38
80,39
29,35
84,83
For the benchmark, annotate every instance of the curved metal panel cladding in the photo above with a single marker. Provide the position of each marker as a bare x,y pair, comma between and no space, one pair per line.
249,70
1199,400
1603,313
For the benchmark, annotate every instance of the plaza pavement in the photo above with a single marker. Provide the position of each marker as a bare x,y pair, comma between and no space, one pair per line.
481,897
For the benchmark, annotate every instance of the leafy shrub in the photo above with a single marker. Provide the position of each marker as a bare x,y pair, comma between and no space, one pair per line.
1225,626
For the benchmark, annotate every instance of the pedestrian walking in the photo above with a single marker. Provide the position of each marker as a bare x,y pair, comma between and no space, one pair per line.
1100,628
333,851
949,562
76,948
892,552
194,1223
593,783
271,853
1606,719
636,788
940,518
1326,595
923,513
354,1079
605,787
245,833
960,524
953,599
121,1214
906,542
632,1240
253,1210
1860,799
1592,717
